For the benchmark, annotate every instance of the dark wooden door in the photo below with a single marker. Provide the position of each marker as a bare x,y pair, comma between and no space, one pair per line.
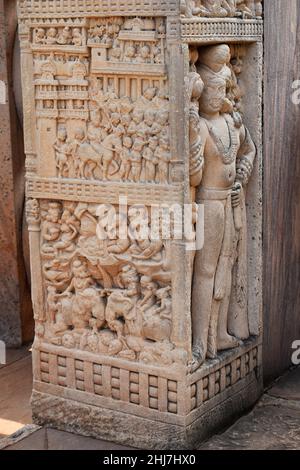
281,185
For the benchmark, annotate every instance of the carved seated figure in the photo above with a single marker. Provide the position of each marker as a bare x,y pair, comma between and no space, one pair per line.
82,299
209,8
57,273
51,38
225,149
65,37
215,8
157,321
40,36
77,37
51,228
69,231
249,8
190,8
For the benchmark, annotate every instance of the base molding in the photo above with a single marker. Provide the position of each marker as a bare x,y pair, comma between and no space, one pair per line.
140,432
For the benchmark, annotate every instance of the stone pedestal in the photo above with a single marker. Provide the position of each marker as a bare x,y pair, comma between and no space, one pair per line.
144,337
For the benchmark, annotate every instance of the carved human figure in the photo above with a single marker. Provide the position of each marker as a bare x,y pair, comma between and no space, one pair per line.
163,155
249,8
51,36
76,162
40,36
52,305
129,280
82,298
189,8
144,55
56,273
228,153
221,8
95,131
150,160
148,291
137,119
147,124
216,8
157,321
195,89
77,37
116,52
69,232
112,145
51,227
65,37
158,54
130,53
61,153
160,127
125,156
147,98
136,158
33,216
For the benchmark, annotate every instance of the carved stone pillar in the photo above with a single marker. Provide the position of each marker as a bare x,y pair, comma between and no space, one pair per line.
135,113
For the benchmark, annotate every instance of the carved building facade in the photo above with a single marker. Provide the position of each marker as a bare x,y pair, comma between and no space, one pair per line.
139,339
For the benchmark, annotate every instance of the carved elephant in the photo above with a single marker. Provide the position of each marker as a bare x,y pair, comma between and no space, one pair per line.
118,306
80,308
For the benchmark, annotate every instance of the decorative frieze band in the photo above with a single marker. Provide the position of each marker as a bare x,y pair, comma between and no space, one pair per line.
106,192
206,30
78,8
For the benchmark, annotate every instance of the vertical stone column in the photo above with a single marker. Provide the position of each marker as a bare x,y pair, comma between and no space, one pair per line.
135,331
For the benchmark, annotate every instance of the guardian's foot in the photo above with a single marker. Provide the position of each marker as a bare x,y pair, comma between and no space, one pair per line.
228,342
198,359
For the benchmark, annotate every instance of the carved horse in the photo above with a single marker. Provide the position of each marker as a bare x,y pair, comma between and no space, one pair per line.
91,156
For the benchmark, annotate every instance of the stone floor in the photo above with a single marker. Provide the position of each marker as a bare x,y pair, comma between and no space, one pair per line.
15,376
273,424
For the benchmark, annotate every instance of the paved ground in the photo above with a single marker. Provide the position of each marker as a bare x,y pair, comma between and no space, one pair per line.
15,376
273,424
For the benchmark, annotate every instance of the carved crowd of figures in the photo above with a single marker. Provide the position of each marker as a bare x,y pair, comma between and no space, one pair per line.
124,140
58,36
135,41
105,294
222,155
222,8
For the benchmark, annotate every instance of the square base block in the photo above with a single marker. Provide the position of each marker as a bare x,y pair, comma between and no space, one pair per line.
219,393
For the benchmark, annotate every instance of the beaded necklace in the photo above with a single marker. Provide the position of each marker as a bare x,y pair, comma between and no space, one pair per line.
228,155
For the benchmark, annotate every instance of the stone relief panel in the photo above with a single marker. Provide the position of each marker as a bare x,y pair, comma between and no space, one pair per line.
127,100
105,294
222,155
246,9
103,110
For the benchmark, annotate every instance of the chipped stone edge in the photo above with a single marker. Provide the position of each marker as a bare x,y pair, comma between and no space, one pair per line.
19,435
